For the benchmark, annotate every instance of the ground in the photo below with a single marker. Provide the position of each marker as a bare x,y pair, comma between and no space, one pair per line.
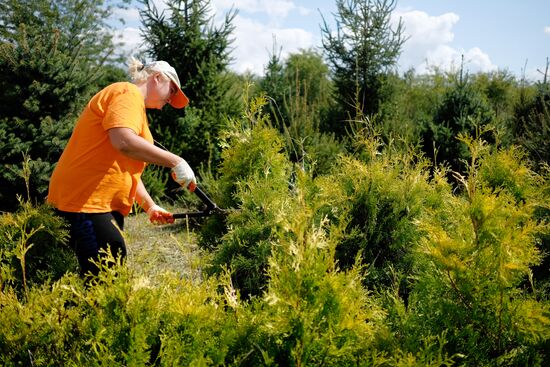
154,249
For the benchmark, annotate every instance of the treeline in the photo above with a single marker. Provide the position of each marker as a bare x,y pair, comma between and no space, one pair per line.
382,219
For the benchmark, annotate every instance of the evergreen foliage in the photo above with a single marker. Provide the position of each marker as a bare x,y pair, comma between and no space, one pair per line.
299,95
254,177
476,253
368,256
33,248
532,124
186,37
362,49
411,104
463,110
51,54
377,203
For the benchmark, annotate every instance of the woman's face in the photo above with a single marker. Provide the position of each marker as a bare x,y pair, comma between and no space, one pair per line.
159,91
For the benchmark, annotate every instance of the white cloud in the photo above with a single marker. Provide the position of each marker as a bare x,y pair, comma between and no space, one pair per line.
130,15
131,39
447,58
253,40
254,43
429,44
547,29
271,8
476,60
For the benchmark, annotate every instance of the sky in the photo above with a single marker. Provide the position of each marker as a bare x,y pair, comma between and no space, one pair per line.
493,35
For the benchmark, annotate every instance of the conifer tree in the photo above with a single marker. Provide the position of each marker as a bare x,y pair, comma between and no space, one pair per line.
463,110
532,124
51,54
185,35
360,51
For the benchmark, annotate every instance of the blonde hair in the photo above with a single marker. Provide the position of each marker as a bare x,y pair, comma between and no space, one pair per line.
139,72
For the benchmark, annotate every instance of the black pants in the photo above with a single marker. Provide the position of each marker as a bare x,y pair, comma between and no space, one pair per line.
92,232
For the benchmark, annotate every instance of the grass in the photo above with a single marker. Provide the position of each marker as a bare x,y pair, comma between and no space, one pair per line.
156,249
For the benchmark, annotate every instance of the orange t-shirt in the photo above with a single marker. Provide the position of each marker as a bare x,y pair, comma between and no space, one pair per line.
91,175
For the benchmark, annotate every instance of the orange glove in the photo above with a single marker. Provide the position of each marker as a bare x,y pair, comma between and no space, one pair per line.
158,215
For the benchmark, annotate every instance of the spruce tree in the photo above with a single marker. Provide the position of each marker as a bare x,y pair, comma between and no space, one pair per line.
360,51
463,110
51,54
186,36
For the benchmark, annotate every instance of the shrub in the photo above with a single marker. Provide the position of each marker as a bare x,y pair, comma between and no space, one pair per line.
472,261
464,110
532,124
33,247
375,200
254,177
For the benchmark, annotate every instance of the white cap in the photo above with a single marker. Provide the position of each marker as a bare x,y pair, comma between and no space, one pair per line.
179,100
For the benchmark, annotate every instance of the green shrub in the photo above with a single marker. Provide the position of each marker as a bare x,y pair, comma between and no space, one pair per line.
45,330
463,110
375,201
33,247
532,124
475,254
254,177
119,320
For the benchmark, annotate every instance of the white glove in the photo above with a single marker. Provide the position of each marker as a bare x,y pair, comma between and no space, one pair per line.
158,215
183,175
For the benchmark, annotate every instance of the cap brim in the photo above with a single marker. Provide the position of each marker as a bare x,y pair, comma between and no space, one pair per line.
179,100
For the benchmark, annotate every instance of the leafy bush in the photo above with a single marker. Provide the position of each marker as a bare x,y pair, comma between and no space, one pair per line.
311,314
33,247
472,261
120,320
373,201
532,124
254,177
464,110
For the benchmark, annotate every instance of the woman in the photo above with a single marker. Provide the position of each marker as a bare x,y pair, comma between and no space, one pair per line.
98,176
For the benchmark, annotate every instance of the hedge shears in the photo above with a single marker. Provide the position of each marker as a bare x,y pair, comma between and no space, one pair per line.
211,207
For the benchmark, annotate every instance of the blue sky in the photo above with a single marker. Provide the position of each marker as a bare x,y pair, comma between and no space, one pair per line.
492,35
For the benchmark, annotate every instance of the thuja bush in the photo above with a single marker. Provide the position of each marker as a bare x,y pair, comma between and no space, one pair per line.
121,319
33,247
473,261
254,177
316,314
310,315
376,196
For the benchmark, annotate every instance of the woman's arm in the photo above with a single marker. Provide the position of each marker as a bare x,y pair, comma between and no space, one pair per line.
126,141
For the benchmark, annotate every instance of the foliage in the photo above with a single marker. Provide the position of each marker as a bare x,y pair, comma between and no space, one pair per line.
476,253
118,321
33,247
466,256
254,177
299,96
311,314
360,51
463,110
318,315
412,103
501,91
51,54
532,124
373,200
327,257
186,37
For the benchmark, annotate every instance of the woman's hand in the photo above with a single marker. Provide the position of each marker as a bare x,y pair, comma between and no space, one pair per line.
158,215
